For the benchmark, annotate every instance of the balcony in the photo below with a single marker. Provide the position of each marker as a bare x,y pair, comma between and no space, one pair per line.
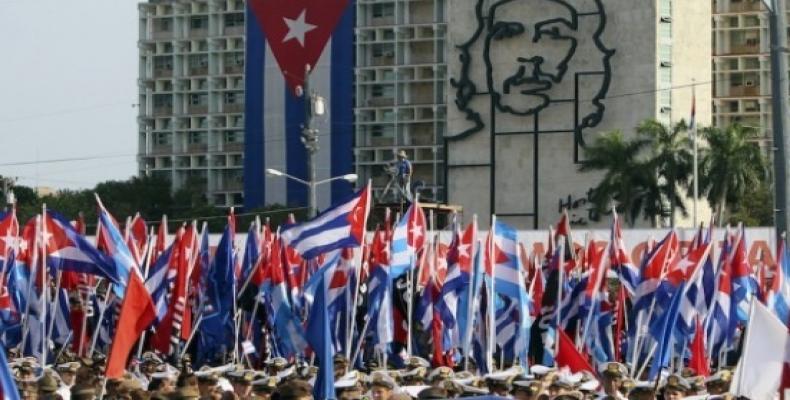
234,69
744,91
161,149
744,6
198,33
233,108
163,73
198,71
197,109
233,147
380,101
378,21
383,60
162,35
233,30
163,110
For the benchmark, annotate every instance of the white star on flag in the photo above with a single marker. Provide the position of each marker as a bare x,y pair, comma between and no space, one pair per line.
297,28
463,250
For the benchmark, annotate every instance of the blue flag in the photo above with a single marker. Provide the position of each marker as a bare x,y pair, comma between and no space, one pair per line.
216,328
320,338
8,389
662,331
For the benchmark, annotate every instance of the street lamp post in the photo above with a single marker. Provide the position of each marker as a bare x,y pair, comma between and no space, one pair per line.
312,184
313,105
779,93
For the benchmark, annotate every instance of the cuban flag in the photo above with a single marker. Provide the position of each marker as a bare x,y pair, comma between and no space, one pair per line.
778,297
722,319
9,235
340,226
691,270
379,302
216,329
408,238
744,284
67,250
620,260
160,278
453,310
502,260
284,323
282,39
654,266
340,297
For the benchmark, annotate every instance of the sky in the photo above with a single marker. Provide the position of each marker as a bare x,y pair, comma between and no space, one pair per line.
68,84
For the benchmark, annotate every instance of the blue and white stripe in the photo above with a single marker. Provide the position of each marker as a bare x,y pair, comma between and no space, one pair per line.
273,119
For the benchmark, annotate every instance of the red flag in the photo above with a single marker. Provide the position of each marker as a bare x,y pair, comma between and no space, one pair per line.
568,356
137,313
699,359
297,31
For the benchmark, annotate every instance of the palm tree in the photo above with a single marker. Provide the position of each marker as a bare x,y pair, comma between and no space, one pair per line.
671,159
627,181
732,166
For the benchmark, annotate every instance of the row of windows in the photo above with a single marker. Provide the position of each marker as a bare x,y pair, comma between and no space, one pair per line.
229,137
199,22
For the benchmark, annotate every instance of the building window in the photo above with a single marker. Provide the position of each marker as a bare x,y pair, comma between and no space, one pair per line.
234,98
198,99
198,61
197,138
162,139
383,10
198,22
163,100
163,63
233,137
164,25
234,19
382,91
751,63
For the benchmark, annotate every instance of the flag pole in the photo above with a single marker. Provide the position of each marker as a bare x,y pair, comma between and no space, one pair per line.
470,305
491,297
146,268
44,286
560,278
55,305
353,312
30,283
696,151
101,318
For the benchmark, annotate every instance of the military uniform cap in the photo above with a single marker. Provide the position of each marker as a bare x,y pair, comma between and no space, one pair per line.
265,384
346,382
277,362
418,372
68,367
207,375
48,383
243,377
440,373
469,390
340,359
530,386
676,382
589,386
382,380
416,362
615,370
722,376
564,382
540,370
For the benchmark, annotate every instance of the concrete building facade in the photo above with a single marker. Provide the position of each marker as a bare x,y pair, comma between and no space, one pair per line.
742,66
191,95
533,81
400,91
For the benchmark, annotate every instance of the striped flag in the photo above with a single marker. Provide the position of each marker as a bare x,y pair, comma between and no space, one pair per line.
283,37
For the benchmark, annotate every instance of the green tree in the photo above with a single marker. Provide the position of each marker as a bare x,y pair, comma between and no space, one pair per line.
628,181
671,160
755,209
732,166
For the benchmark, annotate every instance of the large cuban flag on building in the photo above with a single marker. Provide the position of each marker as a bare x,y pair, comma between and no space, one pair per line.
283,37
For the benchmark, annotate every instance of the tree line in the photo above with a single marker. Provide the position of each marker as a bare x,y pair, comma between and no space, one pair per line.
151,196
649,173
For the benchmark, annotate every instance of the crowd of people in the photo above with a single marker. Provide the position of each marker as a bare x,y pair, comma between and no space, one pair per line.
152,378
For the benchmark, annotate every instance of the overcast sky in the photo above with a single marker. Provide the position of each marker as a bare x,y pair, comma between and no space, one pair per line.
68,79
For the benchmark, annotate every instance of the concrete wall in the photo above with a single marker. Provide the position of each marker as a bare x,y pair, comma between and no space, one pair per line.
630,30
